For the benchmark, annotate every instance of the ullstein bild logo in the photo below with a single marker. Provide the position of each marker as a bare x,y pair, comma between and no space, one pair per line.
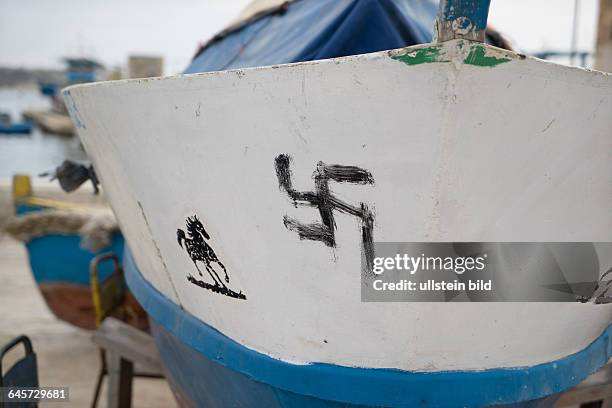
488,272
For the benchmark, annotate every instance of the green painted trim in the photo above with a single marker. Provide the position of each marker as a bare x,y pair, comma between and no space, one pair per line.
421,56
477,54
478,57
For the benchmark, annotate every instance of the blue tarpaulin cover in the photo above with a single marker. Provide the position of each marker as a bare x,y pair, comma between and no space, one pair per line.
305,30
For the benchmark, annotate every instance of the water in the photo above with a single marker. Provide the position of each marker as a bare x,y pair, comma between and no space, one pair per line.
39,151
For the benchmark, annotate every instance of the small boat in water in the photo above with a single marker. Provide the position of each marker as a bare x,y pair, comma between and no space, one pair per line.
51,122
253,304
7,126
61,238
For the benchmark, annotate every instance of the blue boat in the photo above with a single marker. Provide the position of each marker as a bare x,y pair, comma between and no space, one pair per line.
19,128
48,89
59,261
211,177
13,128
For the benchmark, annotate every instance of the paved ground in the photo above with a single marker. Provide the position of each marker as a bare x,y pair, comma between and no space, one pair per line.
66,355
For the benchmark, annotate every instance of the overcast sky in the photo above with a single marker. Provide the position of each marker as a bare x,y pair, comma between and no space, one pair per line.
37,33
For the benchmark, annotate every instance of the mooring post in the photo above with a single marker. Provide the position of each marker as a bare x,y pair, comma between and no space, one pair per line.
465,19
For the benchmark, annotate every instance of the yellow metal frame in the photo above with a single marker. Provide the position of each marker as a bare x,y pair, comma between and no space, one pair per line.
109,295
22,187
24,194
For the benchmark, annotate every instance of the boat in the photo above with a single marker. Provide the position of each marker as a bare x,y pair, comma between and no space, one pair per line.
55,120
250,197
51,122
7,126
62,237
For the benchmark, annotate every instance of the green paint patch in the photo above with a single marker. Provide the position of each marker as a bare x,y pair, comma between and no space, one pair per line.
421,56
478,56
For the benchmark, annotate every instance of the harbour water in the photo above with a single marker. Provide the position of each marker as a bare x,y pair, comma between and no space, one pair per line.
39,151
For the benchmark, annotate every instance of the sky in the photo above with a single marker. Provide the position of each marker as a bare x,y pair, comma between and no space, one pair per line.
38,33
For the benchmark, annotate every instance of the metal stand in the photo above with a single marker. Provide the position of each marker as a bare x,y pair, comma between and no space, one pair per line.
124,347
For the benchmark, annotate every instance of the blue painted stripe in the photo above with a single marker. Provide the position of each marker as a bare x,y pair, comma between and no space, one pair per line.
365,386
477,11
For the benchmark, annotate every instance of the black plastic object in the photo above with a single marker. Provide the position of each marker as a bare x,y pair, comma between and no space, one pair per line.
71,175
24,373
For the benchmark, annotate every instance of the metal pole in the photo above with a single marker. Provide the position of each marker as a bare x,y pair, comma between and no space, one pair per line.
465,19
574,33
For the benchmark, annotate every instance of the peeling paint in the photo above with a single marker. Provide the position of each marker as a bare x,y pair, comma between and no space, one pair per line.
467,52
478,56
421,56
72,110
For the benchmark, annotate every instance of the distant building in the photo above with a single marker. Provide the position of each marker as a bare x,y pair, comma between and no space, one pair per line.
114,74
83,70
145,67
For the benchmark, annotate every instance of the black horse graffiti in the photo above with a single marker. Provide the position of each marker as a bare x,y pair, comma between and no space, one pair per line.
199,251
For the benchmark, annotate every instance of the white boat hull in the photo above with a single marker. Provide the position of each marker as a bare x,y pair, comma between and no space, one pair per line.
464,143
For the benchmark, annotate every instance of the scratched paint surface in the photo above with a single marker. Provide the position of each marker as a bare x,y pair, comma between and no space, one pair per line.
423,55
466,52
456,155
478,56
